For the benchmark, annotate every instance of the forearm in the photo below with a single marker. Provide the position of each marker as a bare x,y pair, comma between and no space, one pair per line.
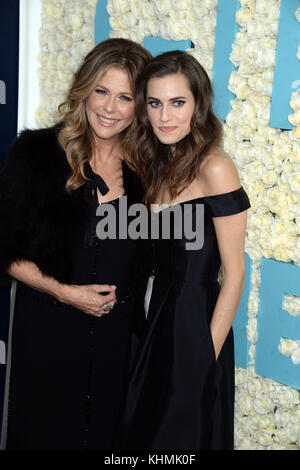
29,273
86,298
225,310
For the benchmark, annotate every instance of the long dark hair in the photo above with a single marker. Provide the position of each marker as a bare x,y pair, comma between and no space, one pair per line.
174,165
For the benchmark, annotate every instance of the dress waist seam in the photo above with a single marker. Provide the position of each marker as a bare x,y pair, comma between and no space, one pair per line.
171,276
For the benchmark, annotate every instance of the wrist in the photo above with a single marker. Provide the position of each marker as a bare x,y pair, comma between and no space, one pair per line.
62,293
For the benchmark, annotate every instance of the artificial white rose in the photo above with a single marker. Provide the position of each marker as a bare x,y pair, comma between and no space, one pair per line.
127,20
162,9
245,131
235,81
203,40
296,353
121,33
65,41
286,397
53,44
200,10
263,404
247,70
295,101
251,330
53,10
255,28
270,8
270,178
244,16
182,5
294,182
209,24
263,87
203,57
254,386
265,57
43,38
135,7
66,61
264,438
43,58
243,153
136,35
267,423
243,91
255,277
291,304
209,4
295,118
149,27
115,23
247,3
148,10
282,418
245,403
43,118
236,54
264,221
117,7
290,348
74,18
89,14
178,30
241,37
295,133
297,14
239,376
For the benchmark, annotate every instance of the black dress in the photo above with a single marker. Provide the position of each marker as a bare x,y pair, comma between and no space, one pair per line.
68,368
179,396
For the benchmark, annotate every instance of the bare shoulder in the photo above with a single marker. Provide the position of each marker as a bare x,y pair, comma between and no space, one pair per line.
218,174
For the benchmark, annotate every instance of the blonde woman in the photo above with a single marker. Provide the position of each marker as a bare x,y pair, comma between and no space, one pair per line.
75,304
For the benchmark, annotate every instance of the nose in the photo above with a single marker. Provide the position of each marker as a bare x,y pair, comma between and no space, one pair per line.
109,104
165,114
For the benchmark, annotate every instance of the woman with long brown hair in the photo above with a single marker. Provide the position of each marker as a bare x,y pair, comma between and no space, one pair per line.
181,391
75,301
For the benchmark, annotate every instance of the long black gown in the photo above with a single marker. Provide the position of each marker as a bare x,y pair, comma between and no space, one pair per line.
68,368
179,397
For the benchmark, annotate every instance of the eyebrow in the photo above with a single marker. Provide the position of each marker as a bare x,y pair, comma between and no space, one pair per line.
170,99
121,92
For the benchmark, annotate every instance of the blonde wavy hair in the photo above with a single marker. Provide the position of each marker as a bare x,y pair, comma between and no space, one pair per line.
75,137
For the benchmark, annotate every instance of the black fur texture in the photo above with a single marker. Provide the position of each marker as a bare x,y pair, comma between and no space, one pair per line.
39,219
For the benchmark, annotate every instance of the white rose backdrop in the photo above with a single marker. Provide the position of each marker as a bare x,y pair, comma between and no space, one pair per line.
267,414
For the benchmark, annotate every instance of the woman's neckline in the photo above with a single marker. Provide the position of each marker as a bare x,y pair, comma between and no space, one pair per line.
103,181
196,199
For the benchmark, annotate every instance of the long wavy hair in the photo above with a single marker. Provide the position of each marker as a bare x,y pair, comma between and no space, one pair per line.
176,165
76,136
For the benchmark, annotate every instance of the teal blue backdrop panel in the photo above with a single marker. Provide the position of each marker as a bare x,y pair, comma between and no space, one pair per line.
156,45
102,26
241,344
226,30
287,65
274,323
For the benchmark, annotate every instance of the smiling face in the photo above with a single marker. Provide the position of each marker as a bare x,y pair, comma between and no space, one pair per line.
110,106
170,107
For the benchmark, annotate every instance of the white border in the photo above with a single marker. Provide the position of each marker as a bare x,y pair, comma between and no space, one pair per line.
29,94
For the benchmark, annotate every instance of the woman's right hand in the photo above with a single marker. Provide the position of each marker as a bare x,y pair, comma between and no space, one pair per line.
89,298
